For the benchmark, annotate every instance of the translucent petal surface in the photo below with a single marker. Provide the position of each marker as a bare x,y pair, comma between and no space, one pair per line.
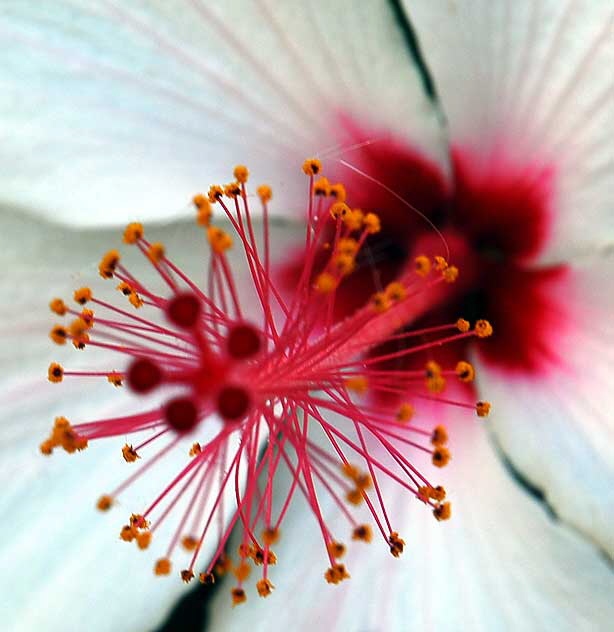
528,85
500,563
131,107
558,429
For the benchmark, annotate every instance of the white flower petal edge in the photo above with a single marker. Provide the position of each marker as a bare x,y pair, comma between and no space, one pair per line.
120,108
501,563
528,84
557,428
65,565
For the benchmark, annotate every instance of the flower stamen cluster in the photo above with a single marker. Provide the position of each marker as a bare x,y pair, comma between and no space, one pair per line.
262,387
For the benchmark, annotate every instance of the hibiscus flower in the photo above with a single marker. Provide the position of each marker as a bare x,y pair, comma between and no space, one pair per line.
129,105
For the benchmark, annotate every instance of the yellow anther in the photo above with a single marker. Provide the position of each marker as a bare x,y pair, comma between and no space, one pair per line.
354,496
135,300
215,193
437,493
127,533
363,481
238,596
258,556
108,263
338,192
372,223
46,447
450,274
426,492
187,575
362,532
395,291
465,371
325,283
380,302
125,288
443,511
81,342
343,264
432,369
321,187
354,220
232,190
200,201
162,566
55,373
336,574
336,549
441,456
241,174
133,233
130,454
78,327
264,587
115,378
58,306
358,384
156,252
436,384
483,328
203,216
482,409
270,536
463,325
203,209
439,436
405,412
207,578
58,334
219,239
440,264
312,167
340,210
87,316
189,542
137,521
223,565
350,471
242,571
396,543
423,265
195,449
143,539
104,503
347,246
265,193
83,295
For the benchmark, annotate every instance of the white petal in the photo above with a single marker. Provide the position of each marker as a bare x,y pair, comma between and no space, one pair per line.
557,427
528,85
64,563
122,109
500,563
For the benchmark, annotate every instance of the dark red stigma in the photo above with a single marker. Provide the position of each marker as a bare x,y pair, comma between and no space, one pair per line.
143,376
181,414
184,310
233,402
243,342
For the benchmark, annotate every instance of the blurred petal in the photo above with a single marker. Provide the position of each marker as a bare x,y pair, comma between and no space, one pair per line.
557,427
119,109
62,556
528,91
500,563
